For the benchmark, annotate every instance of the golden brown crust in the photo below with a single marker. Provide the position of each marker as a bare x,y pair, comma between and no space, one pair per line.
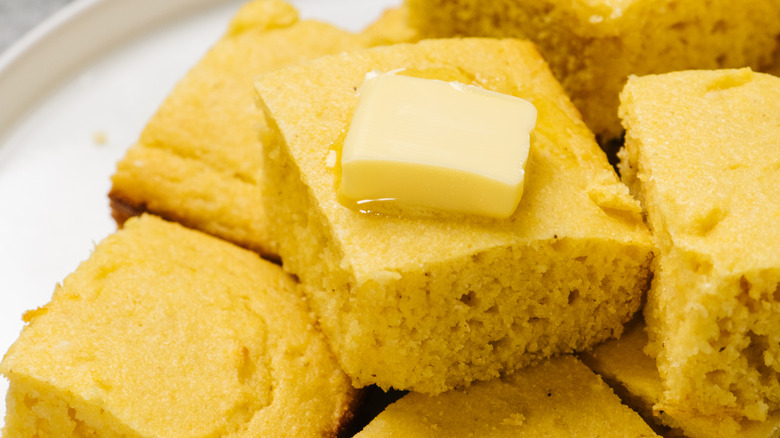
122,210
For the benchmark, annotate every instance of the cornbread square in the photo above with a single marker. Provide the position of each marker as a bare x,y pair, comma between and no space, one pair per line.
198,161
634,376
558,397
168,332
434,302
594,45
703,153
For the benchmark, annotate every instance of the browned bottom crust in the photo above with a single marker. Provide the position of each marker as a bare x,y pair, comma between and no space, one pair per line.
123,209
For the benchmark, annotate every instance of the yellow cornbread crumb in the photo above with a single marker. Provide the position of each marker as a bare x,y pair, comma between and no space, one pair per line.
433,303
556,398
593,45
634,376
99,138
702,154
167,332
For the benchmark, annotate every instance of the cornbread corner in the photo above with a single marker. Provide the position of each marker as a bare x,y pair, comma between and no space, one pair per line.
168,332
702,154
558,397
433,303
593,46
634,376
198,161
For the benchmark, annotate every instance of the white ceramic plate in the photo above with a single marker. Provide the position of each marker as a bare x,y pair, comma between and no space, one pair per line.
99,68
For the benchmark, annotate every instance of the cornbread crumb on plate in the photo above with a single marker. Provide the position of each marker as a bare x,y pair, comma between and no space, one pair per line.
634,377
703,154
168,332
558,397
198,161
433,303
593,46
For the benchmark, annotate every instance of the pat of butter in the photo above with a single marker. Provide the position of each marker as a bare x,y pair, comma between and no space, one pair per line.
427,143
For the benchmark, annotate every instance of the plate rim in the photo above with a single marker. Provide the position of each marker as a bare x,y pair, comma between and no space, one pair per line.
74,36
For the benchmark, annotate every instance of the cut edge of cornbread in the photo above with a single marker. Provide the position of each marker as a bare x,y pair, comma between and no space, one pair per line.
634,377
434,325
34,408
474,308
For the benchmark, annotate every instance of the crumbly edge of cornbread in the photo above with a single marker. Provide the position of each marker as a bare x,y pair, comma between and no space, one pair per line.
36,409
497,324
712,330
558,397
714,349
592,48
308,393
634,377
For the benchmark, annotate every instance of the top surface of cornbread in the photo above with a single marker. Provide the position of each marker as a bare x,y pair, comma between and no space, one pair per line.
558,397
710,159
570,189
167,332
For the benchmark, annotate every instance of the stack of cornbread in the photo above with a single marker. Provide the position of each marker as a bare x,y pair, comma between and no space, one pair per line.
174,331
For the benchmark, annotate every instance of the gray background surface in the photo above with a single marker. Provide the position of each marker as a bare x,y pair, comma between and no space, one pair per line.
19,16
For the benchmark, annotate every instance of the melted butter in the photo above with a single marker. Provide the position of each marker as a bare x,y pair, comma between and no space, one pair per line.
446,74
